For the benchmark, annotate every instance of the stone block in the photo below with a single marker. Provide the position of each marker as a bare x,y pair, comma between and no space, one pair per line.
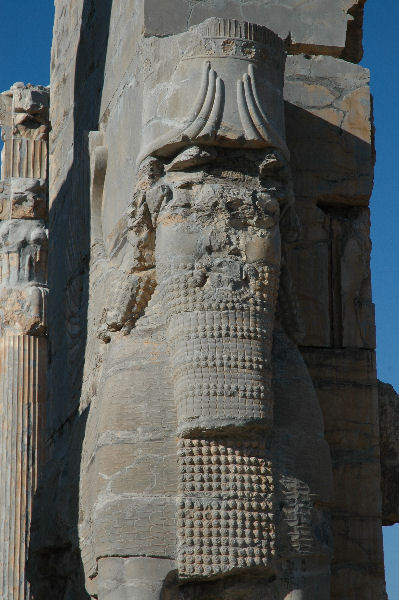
137,578
129,466
352,309
345,382
28,198
31,99
320,26
5,110
22,310
330,267
389,445
132,525
23,252
329,130
353,249
359,537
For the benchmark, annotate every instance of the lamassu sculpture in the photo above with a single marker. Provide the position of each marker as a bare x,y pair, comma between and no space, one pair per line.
234,500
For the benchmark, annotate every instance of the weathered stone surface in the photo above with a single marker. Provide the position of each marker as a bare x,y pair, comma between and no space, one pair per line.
226,258
314,27
389,431
31,100
235,102
24,122
346,385
140,490
352,247
139,577
23,360
329,130
23,343
330,266
309,261
5,199
28,198
165,222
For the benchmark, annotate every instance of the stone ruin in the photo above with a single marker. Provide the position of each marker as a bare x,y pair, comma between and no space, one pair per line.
189,403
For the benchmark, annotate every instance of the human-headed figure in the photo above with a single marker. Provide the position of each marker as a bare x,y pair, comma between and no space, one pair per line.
203,254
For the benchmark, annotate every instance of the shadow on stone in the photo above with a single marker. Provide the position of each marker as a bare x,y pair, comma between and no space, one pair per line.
54,563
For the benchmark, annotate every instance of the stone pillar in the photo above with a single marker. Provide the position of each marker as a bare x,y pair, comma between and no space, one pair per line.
22,393
23,341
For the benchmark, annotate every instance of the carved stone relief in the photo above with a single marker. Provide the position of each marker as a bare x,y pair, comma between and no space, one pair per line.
200,253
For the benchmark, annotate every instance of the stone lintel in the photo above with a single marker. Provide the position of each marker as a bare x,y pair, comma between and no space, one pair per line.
322,27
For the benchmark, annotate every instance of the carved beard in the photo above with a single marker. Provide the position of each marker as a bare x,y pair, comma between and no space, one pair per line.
218,265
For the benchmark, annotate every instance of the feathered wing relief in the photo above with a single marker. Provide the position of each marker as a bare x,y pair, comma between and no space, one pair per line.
129,261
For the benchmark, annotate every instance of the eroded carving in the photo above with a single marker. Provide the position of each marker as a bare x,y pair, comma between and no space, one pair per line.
220,526
204,238
23,323
238,100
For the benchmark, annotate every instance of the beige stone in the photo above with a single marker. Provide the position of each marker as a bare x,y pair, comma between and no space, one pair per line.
23,327
329,130
28,198
323,27
191,454
22,420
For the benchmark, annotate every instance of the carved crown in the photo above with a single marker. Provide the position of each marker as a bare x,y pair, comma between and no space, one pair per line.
225,89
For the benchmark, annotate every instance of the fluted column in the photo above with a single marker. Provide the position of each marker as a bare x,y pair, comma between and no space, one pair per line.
23,332
22,394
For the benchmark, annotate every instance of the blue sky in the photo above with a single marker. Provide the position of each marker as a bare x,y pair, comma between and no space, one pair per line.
25,39
381,44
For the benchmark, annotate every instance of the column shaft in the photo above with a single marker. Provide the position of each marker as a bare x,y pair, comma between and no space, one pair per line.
23,361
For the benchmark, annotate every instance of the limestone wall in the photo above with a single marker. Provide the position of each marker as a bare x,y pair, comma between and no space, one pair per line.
106,510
